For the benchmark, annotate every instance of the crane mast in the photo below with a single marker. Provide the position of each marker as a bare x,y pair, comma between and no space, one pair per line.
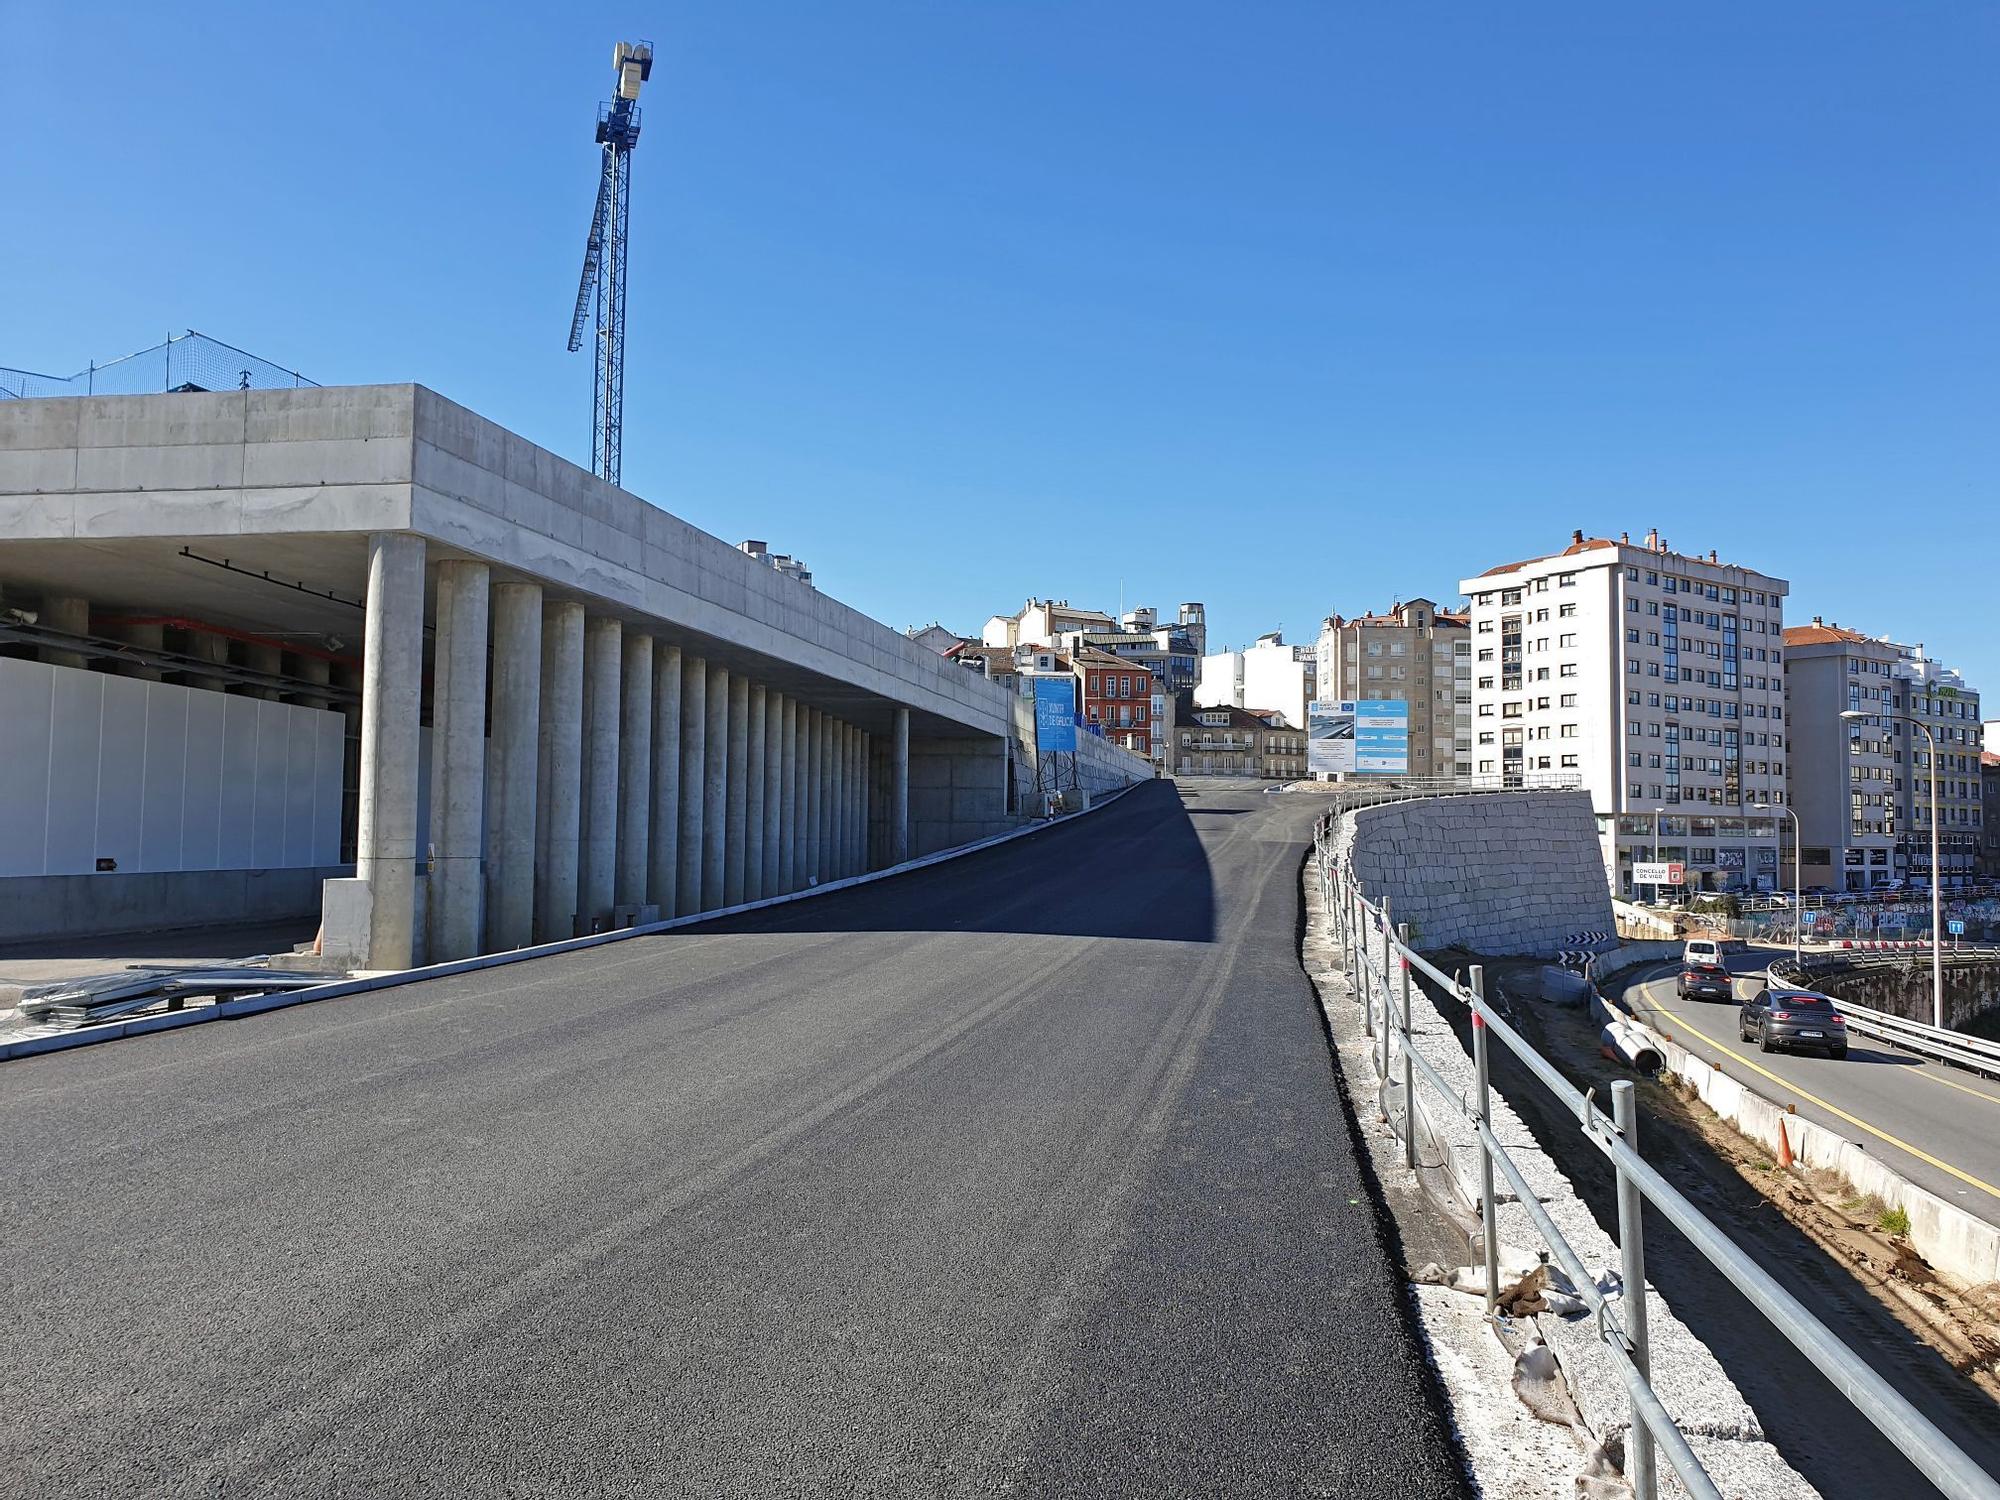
602,287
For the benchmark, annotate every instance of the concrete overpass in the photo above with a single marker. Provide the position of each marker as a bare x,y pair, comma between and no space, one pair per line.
526,704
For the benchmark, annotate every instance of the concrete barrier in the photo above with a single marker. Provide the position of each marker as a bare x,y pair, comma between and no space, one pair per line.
1956,1242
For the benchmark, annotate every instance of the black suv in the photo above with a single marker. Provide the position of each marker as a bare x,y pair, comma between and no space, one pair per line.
1792,1019
1705,982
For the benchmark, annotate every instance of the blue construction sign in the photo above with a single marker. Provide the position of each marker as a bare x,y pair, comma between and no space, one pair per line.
1055,713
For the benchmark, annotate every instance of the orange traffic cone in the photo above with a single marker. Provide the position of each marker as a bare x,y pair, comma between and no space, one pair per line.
1784,1148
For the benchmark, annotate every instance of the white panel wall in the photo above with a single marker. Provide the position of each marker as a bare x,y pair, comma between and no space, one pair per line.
160,777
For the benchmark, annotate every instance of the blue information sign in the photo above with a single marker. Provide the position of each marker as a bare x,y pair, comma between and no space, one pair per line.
1955,927
1055,713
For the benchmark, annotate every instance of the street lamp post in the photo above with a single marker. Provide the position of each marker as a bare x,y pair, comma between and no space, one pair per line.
1937,897
1798,880
1657,812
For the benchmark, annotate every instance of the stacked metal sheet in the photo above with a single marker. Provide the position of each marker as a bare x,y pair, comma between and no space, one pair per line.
109,997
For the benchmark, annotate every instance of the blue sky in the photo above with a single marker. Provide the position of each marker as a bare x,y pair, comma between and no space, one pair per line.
1286,307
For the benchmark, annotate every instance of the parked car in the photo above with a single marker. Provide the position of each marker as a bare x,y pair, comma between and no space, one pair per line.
1788,1018
1705,982
1702,951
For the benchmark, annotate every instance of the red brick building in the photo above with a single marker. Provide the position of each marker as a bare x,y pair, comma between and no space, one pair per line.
1118,696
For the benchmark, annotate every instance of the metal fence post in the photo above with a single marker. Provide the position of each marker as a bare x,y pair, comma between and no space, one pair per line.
1409,1068
1640,1468
1367,995
1388,940
1488,1218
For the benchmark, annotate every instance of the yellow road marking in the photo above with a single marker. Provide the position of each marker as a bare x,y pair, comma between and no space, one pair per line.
1832,1109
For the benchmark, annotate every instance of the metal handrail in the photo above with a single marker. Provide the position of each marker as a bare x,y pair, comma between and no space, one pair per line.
1357,921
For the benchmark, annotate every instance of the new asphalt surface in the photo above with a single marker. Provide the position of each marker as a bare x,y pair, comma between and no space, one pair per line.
1025,1173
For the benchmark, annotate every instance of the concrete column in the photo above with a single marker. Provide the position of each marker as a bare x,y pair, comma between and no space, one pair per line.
69,613
715,792
829,816
510,793
753,794
559,772
270,660
214,649
865,797
694,782
597,868
774,794
788,799
151,638
458,763
857,799
316,670
899,789
842,802
850,798
392,685
736,805
663,854
635,772
815,807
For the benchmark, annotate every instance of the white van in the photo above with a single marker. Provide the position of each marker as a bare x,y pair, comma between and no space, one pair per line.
1702,951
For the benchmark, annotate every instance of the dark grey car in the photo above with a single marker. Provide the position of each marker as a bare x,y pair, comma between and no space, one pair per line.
1704,982
1793,1019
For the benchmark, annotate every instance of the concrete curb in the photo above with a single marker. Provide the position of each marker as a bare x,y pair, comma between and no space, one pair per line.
255,1005
1957,1242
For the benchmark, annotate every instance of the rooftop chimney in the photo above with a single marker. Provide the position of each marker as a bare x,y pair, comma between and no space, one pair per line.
1576,536
1711,555
1653,539
1625,536
1818,621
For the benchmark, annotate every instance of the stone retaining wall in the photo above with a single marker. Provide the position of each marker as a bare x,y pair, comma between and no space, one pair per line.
1496,872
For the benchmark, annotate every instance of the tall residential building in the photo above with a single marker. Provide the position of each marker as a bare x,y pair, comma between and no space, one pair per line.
1989,803
1656,679
1267,675
1844,786
1418,654
1938,696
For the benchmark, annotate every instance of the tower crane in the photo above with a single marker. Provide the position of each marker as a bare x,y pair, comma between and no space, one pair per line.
604,257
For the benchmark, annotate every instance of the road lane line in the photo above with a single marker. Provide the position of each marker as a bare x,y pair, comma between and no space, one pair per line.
1832,1109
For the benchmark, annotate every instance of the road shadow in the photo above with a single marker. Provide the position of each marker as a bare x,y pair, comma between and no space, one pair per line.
1133,869
1891,1059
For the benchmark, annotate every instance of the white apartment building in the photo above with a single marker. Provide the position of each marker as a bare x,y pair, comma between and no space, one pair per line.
1654,677
1268,676
1040,622
1414,653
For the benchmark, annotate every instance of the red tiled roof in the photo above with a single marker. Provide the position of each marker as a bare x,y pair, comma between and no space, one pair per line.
1588,544
1821,635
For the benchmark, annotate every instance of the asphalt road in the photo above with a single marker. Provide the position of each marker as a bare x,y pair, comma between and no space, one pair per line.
1938,1126
1024,1173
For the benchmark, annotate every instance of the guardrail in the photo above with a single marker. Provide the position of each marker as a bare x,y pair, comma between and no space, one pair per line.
1371,947
1939,1043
